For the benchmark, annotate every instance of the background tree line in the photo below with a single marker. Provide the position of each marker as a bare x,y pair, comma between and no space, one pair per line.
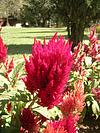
76,15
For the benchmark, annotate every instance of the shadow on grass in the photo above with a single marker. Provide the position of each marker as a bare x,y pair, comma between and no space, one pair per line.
45,31
40,37
47,37
32,37
27,48
19,49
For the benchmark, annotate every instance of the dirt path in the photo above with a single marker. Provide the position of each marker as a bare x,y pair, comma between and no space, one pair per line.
90,125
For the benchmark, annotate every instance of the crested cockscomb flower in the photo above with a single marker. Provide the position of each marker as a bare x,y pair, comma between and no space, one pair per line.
70,123
9,107
96,92
74,101
94,46
97,58
9,66
93,37
78,58
48,70
65,125
68,103
29,122
83,50
50,129
3,51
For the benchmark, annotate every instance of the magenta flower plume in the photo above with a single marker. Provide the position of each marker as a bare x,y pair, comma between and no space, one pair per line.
93,37
29,121
50,129
3,51
73,101
65,125
70,123
48,70
94,49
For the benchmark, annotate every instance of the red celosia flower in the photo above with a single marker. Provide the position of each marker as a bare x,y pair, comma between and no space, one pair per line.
78,58
97,57
3,51
77,50
42,118
70,123
74,101
51,129
66,125
93,37
48,70
96,92
29,121
9,107
94,46
68,104
9,67
81,51
86,48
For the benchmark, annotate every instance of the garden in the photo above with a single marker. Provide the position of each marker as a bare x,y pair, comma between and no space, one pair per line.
45,87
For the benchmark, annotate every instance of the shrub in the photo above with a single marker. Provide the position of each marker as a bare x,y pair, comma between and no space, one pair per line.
98,28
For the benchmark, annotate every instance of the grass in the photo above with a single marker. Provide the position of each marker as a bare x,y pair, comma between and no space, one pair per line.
19,40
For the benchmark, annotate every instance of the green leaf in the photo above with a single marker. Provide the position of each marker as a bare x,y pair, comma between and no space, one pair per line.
5,86
95,108
4,97
88,61
89,95
55,112
17,69
15,72
2,74
88,103
41,110
7,95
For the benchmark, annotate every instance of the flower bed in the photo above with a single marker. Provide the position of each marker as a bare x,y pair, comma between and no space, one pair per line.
53,90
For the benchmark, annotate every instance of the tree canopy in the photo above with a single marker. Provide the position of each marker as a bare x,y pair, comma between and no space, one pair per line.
37,12
77,15
10,8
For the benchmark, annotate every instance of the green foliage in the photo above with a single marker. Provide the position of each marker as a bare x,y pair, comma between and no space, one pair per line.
13,91
98,28
95,108
37,12
13,98
15,73
77,15
10,8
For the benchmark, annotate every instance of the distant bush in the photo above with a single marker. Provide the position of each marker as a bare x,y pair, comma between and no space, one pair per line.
98,28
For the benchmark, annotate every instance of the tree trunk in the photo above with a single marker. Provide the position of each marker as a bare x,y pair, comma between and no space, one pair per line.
69,31
43,24
8,21
77,33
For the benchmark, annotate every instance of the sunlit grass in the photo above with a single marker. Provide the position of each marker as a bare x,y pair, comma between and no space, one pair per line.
19,36
19,40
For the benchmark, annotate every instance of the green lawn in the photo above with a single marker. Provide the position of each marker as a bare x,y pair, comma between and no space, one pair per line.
19,40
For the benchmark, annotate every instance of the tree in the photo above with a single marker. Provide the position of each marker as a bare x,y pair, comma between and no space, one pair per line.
37,12
10,8
76,15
